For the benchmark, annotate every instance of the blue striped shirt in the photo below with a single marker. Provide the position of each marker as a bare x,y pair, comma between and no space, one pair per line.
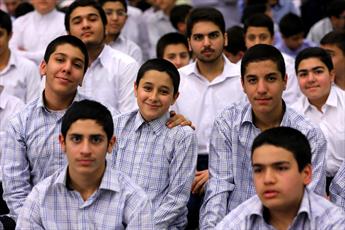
31,151
315,212
160,160
117,204
337,187
230,181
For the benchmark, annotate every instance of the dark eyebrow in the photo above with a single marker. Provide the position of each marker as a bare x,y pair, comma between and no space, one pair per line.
278,163
314,68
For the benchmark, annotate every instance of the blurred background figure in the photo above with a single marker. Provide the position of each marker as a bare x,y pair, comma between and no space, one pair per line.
236,47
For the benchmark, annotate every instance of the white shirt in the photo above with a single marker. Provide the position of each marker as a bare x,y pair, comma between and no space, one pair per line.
110,80
33,32
21,78
201,101
292,91
128,47
319,29
332,123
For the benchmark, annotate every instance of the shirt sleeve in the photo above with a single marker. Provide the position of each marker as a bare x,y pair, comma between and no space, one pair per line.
337,188
221,180
33,83
29,217
15,167
182,169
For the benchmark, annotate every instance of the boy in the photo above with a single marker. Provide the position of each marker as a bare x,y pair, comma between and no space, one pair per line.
178,16
334,44
116,11
87,192
31,152
263,79
174,48
19,76
292,30
281,163
236,47
322,103
160,160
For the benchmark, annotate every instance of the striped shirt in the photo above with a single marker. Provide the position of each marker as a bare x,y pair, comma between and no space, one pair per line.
118,203
315,212
230,169
160,160
337,187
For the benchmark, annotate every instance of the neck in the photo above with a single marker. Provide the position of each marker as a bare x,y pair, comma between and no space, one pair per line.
318,103
340,81
210,70
94,51
111,37
85,184
281,219
4,58
268,120
57,102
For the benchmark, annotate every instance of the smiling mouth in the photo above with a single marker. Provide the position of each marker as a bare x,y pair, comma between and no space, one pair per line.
270,194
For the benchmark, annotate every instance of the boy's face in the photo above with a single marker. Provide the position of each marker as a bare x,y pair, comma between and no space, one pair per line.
86,24
4,39
338,23
338,59
315,80
11,6
264,86
257,35
207,41
64,70
86,145
295,41
277,180
116,16
43,6
165,5
177,54
155,94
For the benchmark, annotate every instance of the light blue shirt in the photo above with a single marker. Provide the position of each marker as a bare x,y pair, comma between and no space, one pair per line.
31,151
230,182
118,203
315,212
337,187
160,160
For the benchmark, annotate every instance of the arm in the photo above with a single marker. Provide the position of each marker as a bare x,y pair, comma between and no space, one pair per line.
221,179
337,187
182,168
141,217
15,167
29,217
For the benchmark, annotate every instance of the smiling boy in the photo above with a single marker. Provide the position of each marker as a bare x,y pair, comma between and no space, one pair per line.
281,162
160,160
87,192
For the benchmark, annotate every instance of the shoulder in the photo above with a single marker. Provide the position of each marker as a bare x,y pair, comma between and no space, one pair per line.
234,113
48,185
119,57
298,121
24,63
21,21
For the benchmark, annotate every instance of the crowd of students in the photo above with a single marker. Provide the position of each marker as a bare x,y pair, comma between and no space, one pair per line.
206,127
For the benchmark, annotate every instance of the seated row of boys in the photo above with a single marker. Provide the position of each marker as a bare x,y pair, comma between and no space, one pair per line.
206,54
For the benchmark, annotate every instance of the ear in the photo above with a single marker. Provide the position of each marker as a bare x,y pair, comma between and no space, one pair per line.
43,68
62,142
307,174
189,46
332,75
135,89
243,86
111,144
10,35
225,39
175,98
285,80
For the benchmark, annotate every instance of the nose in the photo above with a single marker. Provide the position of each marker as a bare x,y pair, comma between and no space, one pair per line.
207,41
311,76
67,67
85,23
269,177
85,148
153,95
177,62
261,87
114,16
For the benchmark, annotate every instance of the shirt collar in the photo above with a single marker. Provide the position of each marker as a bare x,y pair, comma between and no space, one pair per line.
49,15
156,125
331,101
40,103
103,57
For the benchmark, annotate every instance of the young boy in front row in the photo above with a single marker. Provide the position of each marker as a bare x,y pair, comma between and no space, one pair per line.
87,193
161,160
281,163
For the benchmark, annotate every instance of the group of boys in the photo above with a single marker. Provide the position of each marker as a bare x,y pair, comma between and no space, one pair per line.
57,175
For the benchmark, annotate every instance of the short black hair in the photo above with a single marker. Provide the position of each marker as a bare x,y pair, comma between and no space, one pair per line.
205,14
290,25
288,138
168,39
251,9
5,21
160,65
236,41
336,38
84,3
336,8
179,13
23,8
88,109
67,39
263,52
259,20
123,2
314,52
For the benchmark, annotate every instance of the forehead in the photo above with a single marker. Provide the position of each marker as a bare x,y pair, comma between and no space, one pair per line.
332,47
113,5
157,78
70,51
261,68
309,63
81,11
258,30
175,48
269,154
204,27
85,127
